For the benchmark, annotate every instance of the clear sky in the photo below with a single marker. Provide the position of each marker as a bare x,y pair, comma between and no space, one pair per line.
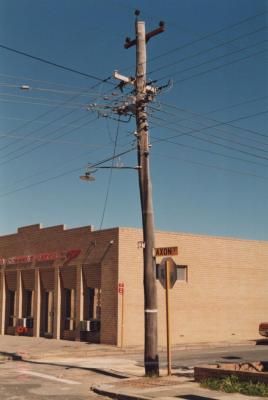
209,171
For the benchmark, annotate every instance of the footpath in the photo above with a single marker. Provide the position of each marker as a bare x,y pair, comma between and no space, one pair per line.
129,382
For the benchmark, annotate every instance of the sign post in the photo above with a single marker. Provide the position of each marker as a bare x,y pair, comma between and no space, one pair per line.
167,275
121,290
168,317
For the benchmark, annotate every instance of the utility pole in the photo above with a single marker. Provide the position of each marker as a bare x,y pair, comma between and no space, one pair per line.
151,360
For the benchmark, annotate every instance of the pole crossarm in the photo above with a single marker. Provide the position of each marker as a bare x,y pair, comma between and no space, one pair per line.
129,43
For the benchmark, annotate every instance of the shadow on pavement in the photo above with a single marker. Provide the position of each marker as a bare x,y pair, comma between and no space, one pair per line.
11,356
263,342
17,357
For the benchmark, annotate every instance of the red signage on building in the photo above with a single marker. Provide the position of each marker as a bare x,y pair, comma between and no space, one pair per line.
18,260
121,288
46,256
66,255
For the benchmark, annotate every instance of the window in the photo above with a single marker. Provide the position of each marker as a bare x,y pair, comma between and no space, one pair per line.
182,273
28,304
92,303
178,273
11,295
70,309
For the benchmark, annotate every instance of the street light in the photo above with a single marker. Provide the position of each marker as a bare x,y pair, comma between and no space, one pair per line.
87,177
88,174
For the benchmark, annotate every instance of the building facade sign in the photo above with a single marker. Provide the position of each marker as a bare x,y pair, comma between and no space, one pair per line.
64,255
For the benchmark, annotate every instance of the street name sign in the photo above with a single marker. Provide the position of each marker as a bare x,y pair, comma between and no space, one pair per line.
166,251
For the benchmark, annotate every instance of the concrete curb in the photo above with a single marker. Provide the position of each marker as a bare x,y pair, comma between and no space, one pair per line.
104,390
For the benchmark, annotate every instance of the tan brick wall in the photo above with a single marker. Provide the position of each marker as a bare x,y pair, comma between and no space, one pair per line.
224,299
99,249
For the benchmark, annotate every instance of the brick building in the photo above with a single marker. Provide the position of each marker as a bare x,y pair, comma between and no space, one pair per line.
63,283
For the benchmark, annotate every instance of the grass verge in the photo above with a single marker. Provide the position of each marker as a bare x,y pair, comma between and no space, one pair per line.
231,384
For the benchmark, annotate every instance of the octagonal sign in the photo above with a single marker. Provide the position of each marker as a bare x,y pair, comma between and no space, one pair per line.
172,272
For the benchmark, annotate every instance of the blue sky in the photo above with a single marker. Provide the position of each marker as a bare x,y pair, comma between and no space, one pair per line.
209,170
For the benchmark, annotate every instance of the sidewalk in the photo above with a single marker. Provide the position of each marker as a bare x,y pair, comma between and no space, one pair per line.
37,348
164,388
113,361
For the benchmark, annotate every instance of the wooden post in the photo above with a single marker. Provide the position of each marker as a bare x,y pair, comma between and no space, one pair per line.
151,360
168,317
122,318
3,302
37,302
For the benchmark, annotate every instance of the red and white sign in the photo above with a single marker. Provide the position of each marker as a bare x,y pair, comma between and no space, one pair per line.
46,256
121,288
18,260
65,255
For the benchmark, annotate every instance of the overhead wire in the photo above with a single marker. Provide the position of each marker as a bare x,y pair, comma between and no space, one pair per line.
208,35
26,78
50,122
158,140
43,60
167,140
205,51
221,123
66,173
217,128
198,163
216,59
110,177
218,144
43,144
37,173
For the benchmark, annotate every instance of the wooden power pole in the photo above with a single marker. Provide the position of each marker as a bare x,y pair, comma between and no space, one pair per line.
151,360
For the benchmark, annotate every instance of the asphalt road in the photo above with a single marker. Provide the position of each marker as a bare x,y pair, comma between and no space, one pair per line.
70,379
224,354
27,381
193,357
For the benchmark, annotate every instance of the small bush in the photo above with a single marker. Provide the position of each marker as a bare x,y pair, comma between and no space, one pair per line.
231,384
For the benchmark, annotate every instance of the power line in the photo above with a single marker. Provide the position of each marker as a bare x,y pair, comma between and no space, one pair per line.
26,78
41,116
232,171
220,123
167,140
49,90
202,131
43,144
208,35
43,60
218,144
63,163
37,139
50,101
216,127
110,177
65,173
49,123
236,105
215,59
208,50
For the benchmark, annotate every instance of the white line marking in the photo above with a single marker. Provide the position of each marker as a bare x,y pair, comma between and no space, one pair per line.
49,377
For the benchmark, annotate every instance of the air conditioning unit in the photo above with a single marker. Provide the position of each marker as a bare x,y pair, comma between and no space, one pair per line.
69,324
86,326
25,322
91,325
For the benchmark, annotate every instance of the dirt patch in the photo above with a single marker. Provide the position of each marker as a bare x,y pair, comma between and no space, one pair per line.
253,371
251,367
147,382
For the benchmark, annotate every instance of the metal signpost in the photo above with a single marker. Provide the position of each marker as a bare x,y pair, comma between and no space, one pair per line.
121,291
167,275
